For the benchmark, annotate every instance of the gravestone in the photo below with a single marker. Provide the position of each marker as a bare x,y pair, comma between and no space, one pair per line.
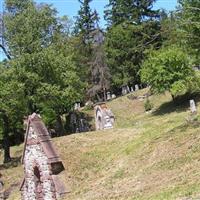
42,165
104,118
132,89
113,96
124,90
137,87
108,96
77,106
193,108
128,89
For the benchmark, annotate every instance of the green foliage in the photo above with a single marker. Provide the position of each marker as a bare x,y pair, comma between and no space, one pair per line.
132,11
86,20
189,24
125,48
168,69
42,58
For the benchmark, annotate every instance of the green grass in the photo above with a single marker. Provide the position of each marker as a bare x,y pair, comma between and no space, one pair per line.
147,156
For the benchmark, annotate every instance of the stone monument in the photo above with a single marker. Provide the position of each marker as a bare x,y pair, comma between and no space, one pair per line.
108,96
104,118
42,165
193,108
137,87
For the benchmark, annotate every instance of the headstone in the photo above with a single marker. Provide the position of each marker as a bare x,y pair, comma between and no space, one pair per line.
104,118
128,89
132,89
113,96
124,90
77,106
108,96
193,108
42,165
136,87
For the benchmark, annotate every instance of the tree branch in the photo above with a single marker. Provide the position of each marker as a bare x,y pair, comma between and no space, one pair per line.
5,51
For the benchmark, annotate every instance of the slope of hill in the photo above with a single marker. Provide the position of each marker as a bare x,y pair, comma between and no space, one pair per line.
154,156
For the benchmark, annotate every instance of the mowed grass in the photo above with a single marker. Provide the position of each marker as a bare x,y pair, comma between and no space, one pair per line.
147,156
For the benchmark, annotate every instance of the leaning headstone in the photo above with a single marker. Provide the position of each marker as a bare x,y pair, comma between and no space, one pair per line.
193,108
42,165
104,118
136,87
128,89
108,96
132,89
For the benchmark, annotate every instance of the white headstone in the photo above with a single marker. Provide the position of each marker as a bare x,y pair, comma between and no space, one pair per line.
113,96
108,96
193,106
128,89
77,106
132,89
136,87
124,90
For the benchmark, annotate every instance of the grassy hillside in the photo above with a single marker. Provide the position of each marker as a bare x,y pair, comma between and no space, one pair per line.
148,156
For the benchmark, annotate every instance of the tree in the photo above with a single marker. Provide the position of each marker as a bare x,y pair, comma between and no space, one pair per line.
169,69
44,62
125,48
100,74
12,107
86,20
190,25
86,25
131,11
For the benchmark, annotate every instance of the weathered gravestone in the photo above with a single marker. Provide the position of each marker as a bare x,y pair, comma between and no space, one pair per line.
104,118
77,106
108,96
124,90
113,96
132,89
42,165
137,87
193,108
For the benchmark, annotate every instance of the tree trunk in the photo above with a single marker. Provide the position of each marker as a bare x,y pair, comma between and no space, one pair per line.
6,144
59,126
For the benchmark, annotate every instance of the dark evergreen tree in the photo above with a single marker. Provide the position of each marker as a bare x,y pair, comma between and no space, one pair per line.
190,26
131,11
85,22
99,71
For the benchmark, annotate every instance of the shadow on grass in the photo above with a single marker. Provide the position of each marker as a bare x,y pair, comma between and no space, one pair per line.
15,162
170,107
179,104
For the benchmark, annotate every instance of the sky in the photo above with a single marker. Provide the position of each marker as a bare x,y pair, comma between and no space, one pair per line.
71,7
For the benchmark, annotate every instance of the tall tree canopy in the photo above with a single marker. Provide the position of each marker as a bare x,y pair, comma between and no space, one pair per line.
132,11
190,24
42,62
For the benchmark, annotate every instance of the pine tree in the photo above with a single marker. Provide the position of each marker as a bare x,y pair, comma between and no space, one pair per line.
99,71
85,22
131,11
190,24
